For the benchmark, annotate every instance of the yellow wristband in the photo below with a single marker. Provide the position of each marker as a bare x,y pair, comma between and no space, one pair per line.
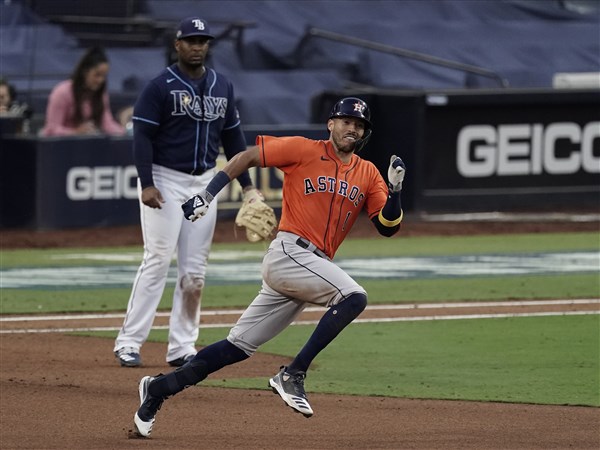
390,223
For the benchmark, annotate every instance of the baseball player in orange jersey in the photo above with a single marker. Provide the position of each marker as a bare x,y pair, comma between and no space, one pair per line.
325,187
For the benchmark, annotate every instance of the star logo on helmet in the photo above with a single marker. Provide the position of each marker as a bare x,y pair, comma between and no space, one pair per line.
358,107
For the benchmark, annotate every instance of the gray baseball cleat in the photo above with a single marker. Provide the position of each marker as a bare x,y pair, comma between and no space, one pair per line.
291,389
145,416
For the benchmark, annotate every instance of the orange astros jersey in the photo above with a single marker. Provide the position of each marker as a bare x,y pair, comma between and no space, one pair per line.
322,197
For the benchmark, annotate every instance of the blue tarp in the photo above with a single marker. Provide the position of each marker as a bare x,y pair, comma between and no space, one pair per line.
525,42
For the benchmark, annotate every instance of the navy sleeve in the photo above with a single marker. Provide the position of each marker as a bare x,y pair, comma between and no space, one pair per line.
142,150
232,115
146,120
148,106
234,142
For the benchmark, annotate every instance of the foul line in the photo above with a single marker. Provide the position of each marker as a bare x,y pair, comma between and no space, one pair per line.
313,322
224,312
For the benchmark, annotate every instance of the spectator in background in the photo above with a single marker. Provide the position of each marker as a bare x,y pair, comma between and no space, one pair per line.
80,105
9,106
7,97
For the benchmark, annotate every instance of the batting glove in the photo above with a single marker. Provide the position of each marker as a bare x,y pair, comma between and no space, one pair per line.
195,207
396,173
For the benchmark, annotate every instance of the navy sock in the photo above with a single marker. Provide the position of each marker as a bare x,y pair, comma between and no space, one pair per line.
221,354
330,325
208,360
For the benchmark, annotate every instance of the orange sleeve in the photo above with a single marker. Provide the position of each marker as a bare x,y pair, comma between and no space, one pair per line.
378,193
283,152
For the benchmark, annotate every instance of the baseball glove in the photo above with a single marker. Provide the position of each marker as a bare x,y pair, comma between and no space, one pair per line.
256,216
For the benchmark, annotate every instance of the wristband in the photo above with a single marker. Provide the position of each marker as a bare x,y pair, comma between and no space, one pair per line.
392,208
390,223
219,181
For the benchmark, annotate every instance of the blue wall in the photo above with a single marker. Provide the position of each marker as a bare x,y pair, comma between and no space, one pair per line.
277,72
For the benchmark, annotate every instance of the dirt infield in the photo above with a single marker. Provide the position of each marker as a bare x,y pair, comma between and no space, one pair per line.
60,391
67,392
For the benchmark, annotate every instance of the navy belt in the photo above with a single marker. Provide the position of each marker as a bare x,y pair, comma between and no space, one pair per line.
306,244
197,171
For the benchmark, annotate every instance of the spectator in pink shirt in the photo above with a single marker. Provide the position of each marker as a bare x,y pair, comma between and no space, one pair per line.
80,106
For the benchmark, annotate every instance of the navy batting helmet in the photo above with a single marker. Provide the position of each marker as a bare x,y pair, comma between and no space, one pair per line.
352,107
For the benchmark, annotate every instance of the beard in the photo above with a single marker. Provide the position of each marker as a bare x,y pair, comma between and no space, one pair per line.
194,64
192,61
344,146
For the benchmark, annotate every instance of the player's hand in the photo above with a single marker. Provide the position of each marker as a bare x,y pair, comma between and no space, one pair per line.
396,173
152,197
195,207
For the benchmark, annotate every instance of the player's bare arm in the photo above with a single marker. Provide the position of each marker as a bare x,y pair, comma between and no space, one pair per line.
233,169
242,162
255,215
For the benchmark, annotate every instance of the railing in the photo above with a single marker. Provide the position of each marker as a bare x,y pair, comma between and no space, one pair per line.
384,48
135,30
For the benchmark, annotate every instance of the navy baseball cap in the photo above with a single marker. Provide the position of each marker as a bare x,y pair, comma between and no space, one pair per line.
193,26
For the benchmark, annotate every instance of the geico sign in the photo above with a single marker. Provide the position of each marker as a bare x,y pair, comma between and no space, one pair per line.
101,183
527,149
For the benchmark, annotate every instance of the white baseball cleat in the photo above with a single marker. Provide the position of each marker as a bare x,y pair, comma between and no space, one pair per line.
291,389
129,357
145,416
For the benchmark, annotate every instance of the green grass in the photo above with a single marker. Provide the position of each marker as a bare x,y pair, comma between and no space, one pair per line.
469,245
27,301
352,248
549,360
546,360
19,301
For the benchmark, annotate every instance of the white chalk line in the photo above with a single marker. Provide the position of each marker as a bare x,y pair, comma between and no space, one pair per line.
221,312
36,318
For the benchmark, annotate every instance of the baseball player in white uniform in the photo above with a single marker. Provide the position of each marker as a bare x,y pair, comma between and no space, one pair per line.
180,119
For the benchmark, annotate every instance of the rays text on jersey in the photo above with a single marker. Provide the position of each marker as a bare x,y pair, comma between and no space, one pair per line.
205,108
